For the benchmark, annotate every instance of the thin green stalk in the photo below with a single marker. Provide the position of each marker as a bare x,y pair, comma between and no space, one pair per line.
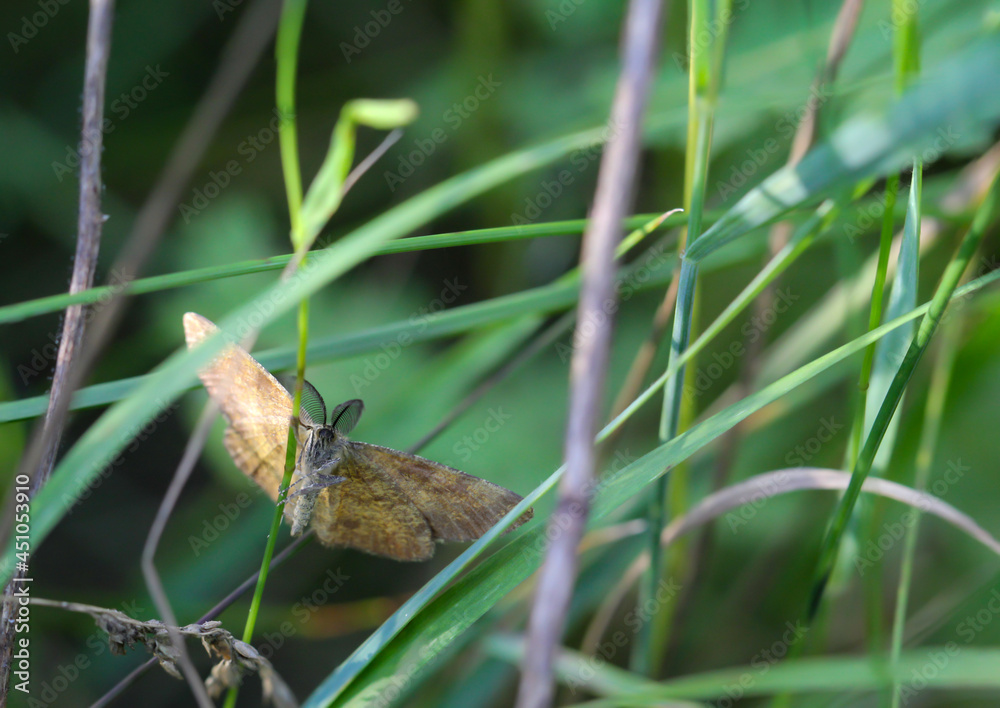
906,62
872,583
671,495
949,281
933,416
875,314
905,44
53,303
286,53
287,49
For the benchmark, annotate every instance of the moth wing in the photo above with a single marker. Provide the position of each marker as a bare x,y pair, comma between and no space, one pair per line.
369,512
256,406
266,470
458,506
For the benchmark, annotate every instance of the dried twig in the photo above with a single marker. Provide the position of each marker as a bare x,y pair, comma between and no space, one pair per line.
221,606
156,590
589,363
235,657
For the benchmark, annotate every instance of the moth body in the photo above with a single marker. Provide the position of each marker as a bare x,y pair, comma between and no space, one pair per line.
321,453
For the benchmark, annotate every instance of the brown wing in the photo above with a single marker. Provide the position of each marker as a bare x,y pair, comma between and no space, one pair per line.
458,506
369,512
266,471
257,407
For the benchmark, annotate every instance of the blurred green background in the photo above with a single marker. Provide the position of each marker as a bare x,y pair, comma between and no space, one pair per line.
489,77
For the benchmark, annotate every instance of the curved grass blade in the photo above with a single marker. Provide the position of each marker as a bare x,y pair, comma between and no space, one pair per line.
543,300
54,303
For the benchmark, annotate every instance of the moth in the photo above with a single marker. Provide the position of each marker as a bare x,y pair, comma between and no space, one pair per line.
372,498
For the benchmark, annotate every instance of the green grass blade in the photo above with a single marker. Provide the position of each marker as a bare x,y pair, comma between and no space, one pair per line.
543,300
54,303
942,296
902,298
948,99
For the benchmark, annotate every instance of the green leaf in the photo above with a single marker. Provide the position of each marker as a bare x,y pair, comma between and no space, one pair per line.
327,189
948,101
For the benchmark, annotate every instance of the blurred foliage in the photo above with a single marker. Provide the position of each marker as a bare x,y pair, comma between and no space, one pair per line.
490,78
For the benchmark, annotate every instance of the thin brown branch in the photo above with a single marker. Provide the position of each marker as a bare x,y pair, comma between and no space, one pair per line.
90,222
592,339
